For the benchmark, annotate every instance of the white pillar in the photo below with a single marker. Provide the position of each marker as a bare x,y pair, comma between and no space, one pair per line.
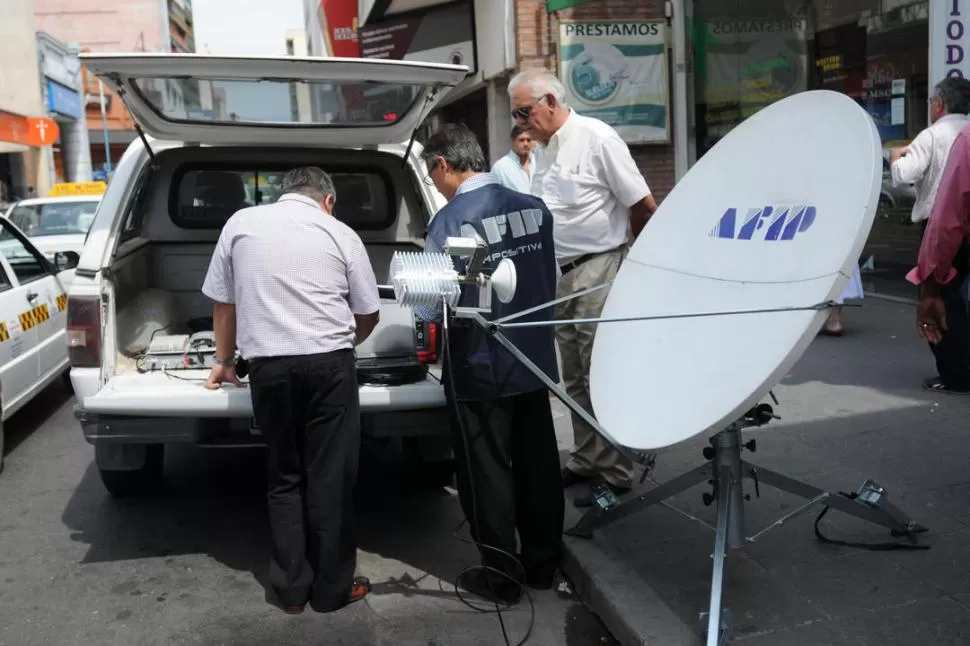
499,117
680,97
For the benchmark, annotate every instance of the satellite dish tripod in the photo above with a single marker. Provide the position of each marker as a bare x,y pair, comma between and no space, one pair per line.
726,471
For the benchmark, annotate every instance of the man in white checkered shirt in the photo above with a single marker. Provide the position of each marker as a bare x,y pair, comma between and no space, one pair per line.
295,292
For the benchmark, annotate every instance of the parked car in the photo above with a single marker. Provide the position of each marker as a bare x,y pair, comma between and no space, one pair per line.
892,197
55,223
33,318
141,270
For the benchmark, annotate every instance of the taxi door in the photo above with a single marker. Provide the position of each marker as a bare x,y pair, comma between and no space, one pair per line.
19,361
44,311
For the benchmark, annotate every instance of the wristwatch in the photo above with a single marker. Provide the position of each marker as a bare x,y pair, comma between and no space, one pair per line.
231,361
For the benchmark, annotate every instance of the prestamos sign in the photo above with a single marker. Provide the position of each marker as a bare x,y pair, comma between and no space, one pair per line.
616,71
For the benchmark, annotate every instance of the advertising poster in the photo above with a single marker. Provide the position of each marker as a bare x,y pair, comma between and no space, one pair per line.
746,64
949,40
616,71
443,34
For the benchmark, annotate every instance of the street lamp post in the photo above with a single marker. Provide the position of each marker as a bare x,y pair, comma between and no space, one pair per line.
104,130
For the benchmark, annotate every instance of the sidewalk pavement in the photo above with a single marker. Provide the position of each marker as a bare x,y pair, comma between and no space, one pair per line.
852,409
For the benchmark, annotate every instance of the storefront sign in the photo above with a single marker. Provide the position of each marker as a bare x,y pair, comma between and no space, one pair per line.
745,64
339,22
444,34
63,100
28,131
949,40
616,71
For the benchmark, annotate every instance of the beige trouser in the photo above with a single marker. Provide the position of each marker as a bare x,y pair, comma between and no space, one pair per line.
591,454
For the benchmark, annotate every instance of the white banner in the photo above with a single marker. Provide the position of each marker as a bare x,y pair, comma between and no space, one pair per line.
616,71
949,40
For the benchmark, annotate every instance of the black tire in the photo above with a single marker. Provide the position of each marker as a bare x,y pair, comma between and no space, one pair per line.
137,482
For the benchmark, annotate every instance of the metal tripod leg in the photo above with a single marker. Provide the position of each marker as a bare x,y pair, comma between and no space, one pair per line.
597,517
874,508
718,632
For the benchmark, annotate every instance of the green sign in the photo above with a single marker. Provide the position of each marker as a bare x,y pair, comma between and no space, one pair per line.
556,5
616,71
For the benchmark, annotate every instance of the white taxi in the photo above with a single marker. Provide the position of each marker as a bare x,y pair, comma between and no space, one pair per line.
33,319
55,223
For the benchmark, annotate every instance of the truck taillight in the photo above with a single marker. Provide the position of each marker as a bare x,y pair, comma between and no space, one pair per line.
426,341
84,331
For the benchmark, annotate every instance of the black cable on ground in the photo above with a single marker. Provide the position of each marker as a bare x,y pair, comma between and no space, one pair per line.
471,483
875,547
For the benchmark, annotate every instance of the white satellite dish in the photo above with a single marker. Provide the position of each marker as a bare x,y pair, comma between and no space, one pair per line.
774,216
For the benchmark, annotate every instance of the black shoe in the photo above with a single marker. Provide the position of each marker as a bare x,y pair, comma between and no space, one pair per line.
570,478
936,385
493,587
541,582
584,497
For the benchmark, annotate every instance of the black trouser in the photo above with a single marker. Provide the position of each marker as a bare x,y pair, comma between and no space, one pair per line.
952,353
308,409
517,483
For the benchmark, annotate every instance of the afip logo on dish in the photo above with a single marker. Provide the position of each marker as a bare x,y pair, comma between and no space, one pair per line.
770,223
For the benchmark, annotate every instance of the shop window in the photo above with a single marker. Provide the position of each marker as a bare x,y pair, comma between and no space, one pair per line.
751,53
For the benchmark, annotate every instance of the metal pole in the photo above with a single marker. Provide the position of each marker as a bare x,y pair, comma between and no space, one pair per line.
680,67
104,131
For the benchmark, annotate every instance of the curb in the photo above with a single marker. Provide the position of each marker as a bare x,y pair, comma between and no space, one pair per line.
892,299
629,608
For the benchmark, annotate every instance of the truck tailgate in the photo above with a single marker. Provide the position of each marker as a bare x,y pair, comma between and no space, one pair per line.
183,394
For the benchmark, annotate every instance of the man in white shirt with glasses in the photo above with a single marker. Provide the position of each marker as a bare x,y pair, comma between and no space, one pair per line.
600,202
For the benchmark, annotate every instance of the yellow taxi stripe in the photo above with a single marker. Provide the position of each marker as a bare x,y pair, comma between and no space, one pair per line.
34,317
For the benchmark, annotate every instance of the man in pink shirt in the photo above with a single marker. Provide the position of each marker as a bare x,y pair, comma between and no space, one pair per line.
939,272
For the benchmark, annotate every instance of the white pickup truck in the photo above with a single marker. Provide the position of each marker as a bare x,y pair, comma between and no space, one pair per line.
218,133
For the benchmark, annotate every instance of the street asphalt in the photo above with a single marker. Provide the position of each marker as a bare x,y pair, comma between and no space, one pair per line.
188,566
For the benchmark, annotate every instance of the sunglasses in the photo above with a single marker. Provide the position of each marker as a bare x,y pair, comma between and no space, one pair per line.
522,114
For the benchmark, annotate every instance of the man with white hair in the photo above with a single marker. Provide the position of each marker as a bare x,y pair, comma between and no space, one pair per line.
598,197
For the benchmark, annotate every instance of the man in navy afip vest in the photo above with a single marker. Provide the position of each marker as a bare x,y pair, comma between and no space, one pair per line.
507,458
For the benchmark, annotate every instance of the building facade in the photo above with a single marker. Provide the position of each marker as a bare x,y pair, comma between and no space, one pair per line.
23,164
69,159
297,45
129,26
675,76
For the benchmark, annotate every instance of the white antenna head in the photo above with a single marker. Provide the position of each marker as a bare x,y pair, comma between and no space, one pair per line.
504,280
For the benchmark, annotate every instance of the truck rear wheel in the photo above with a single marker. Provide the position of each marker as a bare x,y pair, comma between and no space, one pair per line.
136,482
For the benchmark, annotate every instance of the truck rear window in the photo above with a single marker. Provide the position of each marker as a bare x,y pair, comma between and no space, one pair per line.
207,198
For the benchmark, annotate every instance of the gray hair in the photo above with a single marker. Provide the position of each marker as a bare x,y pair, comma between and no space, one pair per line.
954,93
459,147
540,83
309,181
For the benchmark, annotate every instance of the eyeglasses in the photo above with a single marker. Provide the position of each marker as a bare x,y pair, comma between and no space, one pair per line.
523,113
427,180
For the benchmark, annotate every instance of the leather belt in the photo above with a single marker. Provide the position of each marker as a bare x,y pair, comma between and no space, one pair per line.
569,266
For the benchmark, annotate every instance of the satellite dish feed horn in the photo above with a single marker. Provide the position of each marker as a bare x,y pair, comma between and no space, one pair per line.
715,302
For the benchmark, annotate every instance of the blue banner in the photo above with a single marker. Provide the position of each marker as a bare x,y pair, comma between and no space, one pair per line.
63,100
